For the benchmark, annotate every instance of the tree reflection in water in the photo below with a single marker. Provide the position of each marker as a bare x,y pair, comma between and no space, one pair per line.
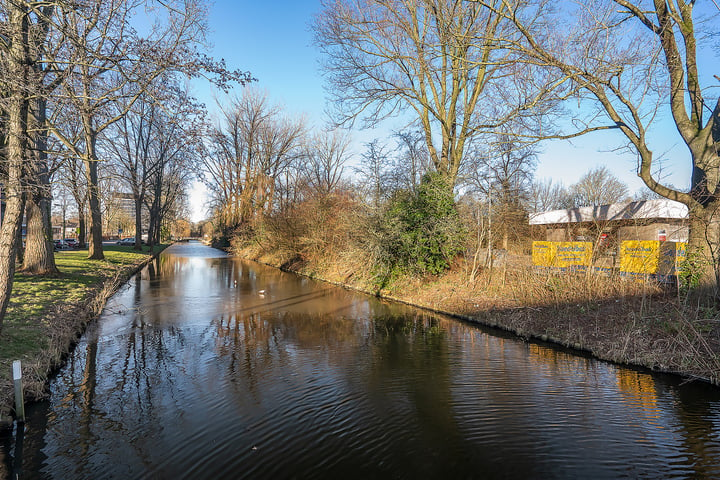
208,366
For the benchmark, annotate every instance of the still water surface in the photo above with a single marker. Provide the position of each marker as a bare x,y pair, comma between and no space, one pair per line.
206,366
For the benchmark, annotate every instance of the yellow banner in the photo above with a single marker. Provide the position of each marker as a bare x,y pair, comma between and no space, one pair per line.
543,254
672,254
562,254
639,256
651,257
570,254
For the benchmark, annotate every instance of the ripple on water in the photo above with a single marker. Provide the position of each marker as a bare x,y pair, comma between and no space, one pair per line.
189,374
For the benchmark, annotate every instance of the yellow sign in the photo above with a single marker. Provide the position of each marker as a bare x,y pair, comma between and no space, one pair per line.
651,257
562,254
639,256
569,254
543,254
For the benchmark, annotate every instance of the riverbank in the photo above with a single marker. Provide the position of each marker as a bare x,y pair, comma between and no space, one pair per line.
611,318
47,315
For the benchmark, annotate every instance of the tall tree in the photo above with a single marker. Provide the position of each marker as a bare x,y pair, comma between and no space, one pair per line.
71,175
325,156
104,55
546,195
511,170
175,149
501,172
628,57
412,161
372,173
597,187
17,85
38,257
129,147
445,60
252,147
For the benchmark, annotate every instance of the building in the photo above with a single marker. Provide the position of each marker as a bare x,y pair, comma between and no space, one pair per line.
124,202
606,227
643,220
120,216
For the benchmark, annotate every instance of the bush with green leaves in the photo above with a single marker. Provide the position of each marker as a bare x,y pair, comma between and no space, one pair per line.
420,231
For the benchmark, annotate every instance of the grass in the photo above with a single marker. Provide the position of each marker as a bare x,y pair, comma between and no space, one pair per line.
35,324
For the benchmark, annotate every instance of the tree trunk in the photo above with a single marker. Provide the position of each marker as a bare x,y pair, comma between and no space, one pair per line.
154,222
19,244
151,231
81,225
702,266
38,257
95,248
138,222
16,147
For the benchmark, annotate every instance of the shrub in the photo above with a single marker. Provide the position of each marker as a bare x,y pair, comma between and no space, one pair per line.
420,231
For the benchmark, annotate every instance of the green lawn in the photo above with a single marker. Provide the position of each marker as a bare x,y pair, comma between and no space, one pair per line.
24,332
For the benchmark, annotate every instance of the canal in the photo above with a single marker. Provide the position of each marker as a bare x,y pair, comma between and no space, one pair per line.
207,366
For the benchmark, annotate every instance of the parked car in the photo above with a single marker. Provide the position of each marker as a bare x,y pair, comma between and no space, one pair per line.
60,245
129,241
72,242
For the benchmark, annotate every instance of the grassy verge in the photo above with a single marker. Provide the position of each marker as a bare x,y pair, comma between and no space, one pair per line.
614,318
47,314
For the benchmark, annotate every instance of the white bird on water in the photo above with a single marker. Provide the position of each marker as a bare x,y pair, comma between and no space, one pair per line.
261,293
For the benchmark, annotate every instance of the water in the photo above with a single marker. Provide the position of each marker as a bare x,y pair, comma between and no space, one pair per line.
206,366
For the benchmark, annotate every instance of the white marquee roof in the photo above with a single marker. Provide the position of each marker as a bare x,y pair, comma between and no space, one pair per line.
617,211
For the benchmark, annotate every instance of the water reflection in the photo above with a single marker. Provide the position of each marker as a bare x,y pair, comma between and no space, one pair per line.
211,367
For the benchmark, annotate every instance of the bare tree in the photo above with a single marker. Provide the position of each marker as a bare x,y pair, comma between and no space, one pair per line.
167,194
71,176
37,256
546,195
511,169
251,149
16,85
175,149
501,173
325,156
103,55
596,187
412,161
77,56
628,57
372,174
129,145
446,61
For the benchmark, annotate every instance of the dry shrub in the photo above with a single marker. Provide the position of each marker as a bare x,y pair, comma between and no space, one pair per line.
537,288
319,230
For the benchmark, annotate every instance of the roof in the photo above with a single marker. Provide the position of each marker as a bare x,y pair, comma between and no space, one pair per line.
617,211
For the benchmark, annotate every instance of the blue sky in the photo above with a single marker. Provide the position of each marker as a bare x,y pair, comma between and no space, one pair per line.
273,41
